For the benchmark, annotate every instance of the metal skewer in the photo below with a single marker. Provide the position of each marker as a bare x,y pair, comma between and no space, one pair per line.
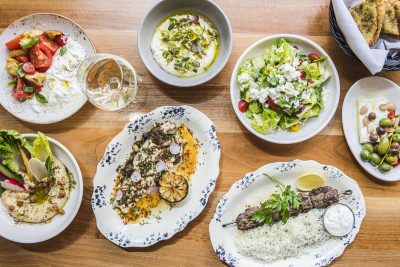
345,193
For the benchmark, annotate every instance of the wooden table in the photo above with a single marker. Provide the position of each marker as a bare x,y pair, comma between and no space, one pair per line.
113,27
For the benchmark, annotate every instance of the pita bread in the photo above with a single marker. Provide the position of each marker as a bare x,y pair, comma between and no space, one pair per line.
391,20
366,16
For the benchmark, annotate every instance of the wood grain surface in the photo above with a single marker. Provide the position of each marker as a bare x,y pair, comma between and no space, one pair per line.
113,27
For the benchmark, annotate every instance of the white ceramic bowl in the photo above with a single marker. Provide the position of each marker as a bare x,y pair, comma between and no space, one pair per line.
34,233
313,125
165,8
367,86
255,187
171,220
42,21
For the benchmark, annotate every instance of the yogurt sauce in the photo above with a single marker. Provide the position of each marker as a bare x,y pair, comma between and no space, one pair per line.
61,87
203,28
338,220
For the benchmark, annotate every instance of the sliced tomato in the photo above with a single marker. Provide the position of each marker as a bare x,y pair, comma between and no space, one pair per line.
49,44
391,114
18,91
14,43
273,105
28,68
313,56
41,57
243,106
22,58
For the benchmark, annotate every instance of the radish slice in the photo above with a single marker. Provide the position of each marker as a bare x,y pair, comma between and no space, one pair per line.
152,190
136,176
160,166
37,168
118,195
174,148
12,185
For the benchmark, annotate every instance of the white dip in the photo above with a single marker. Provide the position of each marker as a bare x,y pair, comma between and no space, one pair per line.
270,243
338,220
61,87
183,48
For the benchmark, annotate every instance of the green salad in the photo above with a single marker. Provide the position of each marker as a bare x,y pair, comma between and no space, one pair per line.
282,88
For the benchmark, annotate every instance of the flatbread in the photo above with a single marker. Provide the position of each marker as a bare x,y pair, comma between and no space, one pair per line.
366,16
391,20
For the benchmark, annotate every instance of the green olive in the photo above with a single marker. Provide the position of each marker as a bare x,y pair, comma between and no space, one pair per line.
375,159
396,137
383,146
391,159
365,155
385,167
369,147
385,122
397,129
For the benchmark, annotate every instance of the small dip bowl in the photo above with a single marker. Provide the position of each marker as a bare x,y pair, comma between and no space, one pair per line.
163,10
339,220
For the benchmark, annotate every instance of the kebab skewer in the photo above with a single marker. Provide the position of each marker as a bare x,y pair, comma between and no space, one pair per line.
321,197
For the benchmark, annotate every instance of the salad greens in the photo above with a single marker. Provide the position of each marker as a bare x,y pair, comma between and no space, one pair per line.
41,150
283,87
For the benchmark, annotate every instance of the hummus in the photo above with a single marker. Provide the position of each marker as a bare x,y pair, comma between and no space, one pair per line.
185,44
40,202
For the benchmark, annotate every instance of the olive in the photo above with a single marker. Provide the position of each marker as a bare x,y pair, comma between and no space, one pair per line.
397,129
385,122
396,137
394,151
391,159
365,155
376,148
380,130
372,116
369,147
375,159
395,145
383,146
385,167
373,138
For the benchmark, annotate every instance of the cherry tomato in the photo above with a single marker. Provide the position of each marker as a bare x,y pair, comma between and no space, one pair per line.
22,58
313,56
302,74
391,114
273,105
28,68
243,106
41,57
61,39
14,43
18,91
48,43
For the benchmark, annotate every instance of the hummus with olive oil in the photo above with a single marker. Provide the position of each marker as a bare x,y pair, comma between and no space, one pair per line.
41,201
185,44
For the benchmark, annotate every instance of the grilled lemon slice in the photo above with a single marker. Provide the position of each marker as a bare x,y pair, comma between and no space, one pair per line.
173,187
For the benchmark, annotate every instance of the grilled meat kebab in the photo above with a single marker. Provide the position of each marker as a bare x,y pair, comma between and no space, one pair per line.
321,197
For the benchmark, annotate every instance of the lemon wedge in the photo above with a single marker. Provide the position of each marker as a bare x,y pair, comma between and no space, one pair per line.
309,181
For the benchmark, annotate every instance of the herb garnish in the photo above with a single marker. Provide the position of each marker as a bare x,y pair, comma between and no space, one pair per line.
11,84
63,50
40,98
279,202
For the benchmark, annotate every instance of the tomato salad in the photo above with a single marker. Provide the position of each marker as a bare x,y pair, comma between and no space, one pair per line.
30,56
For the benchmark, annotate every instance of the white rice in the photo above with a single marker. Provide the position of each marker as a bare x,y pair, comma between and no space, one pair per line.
270,243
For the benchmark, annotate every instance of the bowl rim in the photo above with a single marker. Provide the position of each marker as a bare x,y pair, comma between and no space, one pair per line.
58,231
185,82
267,137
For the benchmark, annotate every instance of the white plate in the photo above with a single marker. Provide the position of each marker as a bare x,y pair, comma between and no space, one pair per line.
173,220
42,21
254,186
367,86
34,233
312,126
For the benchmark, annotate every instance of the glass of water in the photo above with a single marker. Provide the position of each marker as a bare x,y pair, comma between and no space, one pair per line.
110,82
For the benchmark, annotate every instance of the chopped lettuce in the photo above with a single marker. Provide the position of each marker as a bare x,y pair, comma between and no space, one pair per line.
265,122
42,151
10,153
